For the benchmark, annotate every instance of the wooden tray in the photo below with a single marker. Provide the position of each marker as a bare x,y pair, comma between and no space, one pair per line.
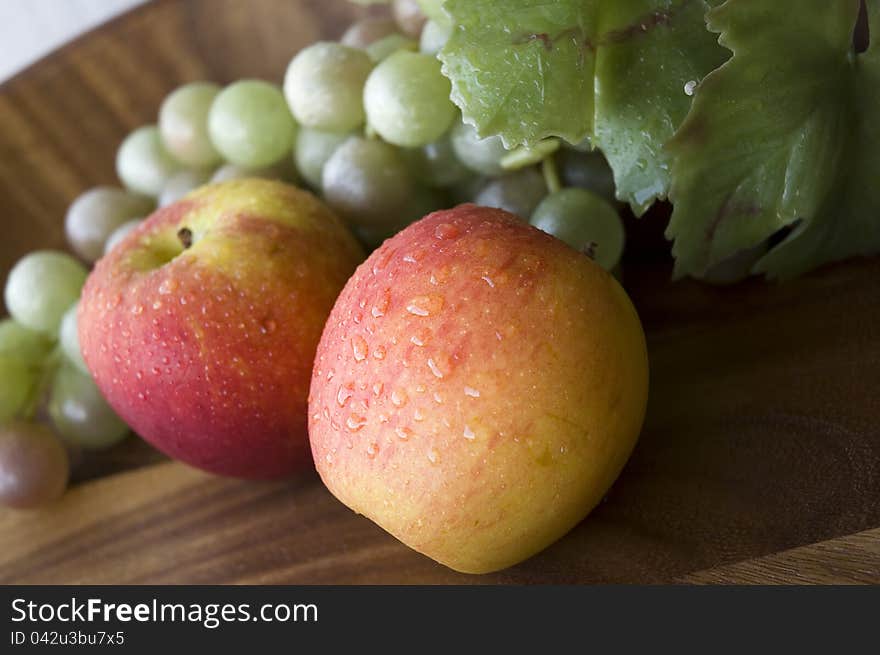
761,434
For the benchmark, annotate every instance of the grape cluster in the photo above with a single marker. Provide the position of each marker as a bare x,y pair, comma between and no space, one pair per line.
366,122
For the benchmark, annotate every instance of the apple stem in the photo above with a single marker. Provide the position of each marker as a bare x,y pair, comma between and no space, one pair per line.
551,175
186,237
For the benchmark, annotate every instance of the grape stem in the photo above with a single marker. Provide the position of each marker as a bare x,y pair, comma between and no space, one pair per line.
551,174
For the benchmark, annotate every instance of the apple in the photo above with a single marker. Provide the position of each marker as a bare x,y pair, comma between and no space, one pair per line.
477,389
200,327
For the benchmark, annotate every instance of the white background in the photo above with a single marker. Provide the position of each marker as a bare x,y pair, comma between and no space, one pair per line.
30,29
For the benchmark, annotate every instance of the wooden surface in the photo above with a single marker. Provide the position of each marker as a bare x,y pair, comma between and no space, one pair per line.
761,435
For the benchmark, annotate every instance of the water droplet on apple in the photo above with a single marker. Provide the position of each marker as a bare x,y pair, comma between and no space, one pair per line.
344,393
488,280
469,434
418,416
425,305
329,458
438,398
470,391
168,286
446,231
434,368
372,449
268,326
377,389
137,310
359,348
432,456
399,398
379,352
157,304
403,433
355,422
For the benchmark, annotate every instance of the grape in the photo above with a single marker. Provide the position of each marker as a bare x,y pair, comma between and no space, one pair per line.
181,184
368,30
367,181
94,215
519,193
434,37
436,163
480,155
409,16
22,355
587,170
17,380
40,288
324,86
120,233
467,189
183,124
79,412
407,99
434,10
24,344
250,124
312,150
385,47
142,163
585,221
33,465
423,201
68,337
280,171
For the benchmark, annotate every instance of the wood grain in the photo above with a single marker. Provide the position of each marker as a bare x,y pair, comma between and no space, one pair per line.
849,560
761,434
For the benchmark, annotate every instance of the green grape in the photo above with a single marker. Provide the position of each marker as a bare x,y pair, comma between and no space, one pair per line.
120,233
585,221
94,216
280,171
368,30
368,182
480,155
40,288
409,16
407,99
424,200
437,165
519,193
142,162
587,170
33,465
467,189
250,124
17,381
434,37
385,47
79,412
68,337
324,86
183,124
434,10
24,344
181,184
312,150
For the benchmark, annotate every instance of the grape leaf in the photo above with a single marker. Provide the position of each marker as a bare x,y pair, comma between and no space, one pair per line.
785,135
612,71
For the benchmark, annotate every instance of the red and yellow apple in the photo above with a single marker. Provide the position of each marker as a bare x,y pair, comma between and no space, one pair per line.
478,387
200,328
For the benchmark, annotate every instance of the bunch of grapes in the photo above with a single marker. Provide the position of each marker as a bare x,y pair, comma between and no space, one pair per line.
365,122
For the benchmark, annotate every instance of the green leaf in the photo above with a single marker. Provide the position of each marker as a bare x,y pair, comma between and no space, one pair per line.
612,71
784,135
